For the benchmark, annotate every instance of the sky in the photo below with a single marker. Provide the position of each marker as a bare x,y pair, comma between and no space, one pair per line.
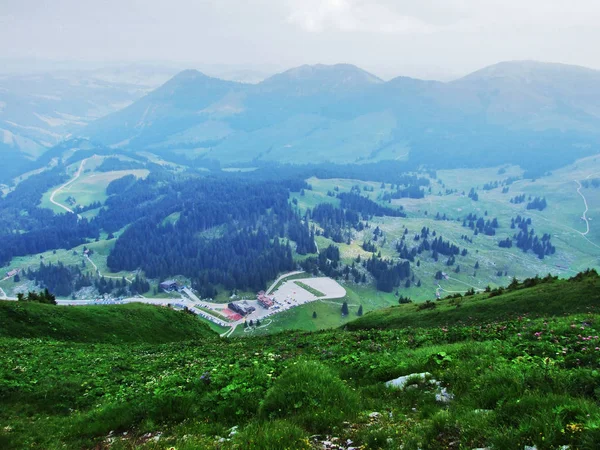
423,38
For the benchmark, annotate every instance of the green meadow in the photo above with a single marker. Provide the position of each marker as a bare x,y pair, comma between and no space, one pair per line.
509,371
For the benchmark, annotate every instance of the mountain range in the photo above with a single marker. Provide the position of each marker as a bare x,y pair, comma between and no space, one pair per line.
539,115
343,114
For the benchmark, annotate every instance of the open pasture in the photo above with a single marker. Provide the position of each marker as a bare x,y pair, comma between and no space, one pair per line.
88,188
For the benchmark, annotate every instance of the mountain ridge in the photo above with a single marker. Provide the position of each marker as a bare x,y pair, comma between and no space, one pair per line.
342,114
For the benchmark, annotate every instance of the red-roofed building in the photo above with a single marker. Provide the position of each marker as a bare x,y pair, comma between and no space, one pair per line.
264,300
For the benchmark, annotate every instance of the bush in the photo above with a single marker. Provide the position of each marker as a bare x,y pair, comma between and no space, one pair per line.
427,305
275,435
312,396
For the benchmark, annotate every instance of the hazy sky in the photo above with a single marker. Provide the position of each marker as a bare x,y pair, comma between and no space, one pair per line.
387,37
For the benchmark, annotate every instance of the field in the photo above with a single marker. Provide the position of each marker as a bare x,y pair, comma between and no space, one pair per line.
88,188
521,373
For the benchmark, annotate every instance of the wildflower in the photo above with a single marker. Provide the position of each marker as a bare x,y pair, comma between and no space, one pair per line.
574,427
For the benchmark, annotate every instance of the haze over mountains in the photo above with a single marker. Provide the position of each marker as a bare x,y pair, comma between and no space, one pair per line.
39,110
546,114
343,114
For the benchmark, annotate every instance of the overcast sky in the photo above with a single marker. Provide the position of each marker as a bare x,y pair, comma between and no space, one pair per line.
427,38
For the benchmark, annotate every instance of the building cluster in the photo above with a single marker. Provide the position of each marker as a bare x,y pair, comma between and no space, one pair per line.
242,308
264,300
169,285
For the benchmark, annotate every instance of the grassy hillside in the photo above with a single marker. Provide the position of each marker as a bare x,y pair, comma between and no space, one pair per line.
107,323
507,383
548,298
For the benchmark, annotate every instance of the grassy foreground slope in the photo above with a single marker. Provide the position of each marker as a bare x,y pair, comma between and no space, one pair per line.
549,297
105,323
509,382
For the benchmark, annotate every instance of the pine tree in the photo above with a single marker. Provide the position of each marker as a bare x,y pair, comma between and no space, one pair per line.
314,315
360,311
345,309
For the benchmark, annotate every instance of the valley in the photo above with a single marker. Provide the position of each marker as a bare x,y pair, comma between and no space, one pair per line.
328,170
443,209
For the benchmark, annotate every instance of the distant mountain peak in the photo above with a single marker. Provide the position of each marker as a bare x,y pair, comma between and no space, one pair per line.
526,69
189,75
312,78
308,70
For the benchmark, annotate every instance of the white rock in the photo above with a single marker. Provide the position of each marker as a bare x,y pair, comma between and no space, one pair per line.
444,396
374,415
399,382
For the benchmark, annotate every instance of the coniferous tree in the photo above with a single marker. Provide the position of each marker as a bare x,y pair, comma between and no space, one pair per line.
344,309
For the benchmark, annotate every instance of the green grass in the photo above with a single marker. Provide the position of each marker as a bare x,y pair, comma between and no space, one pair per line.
106,323
562,220
90,187
312,290
312,396
523,379
555,298
69,257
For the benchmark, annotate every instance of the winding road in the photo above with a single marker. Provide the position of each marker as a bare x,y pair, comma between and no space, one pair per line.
68,183
587,223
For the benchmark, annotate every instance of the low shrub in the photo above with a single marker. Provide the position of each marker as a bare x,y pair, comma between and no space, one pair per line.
311,395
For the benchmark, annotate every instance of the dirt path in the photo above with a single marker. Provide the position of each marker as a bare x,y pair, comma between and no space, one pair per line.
105,276
68,183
